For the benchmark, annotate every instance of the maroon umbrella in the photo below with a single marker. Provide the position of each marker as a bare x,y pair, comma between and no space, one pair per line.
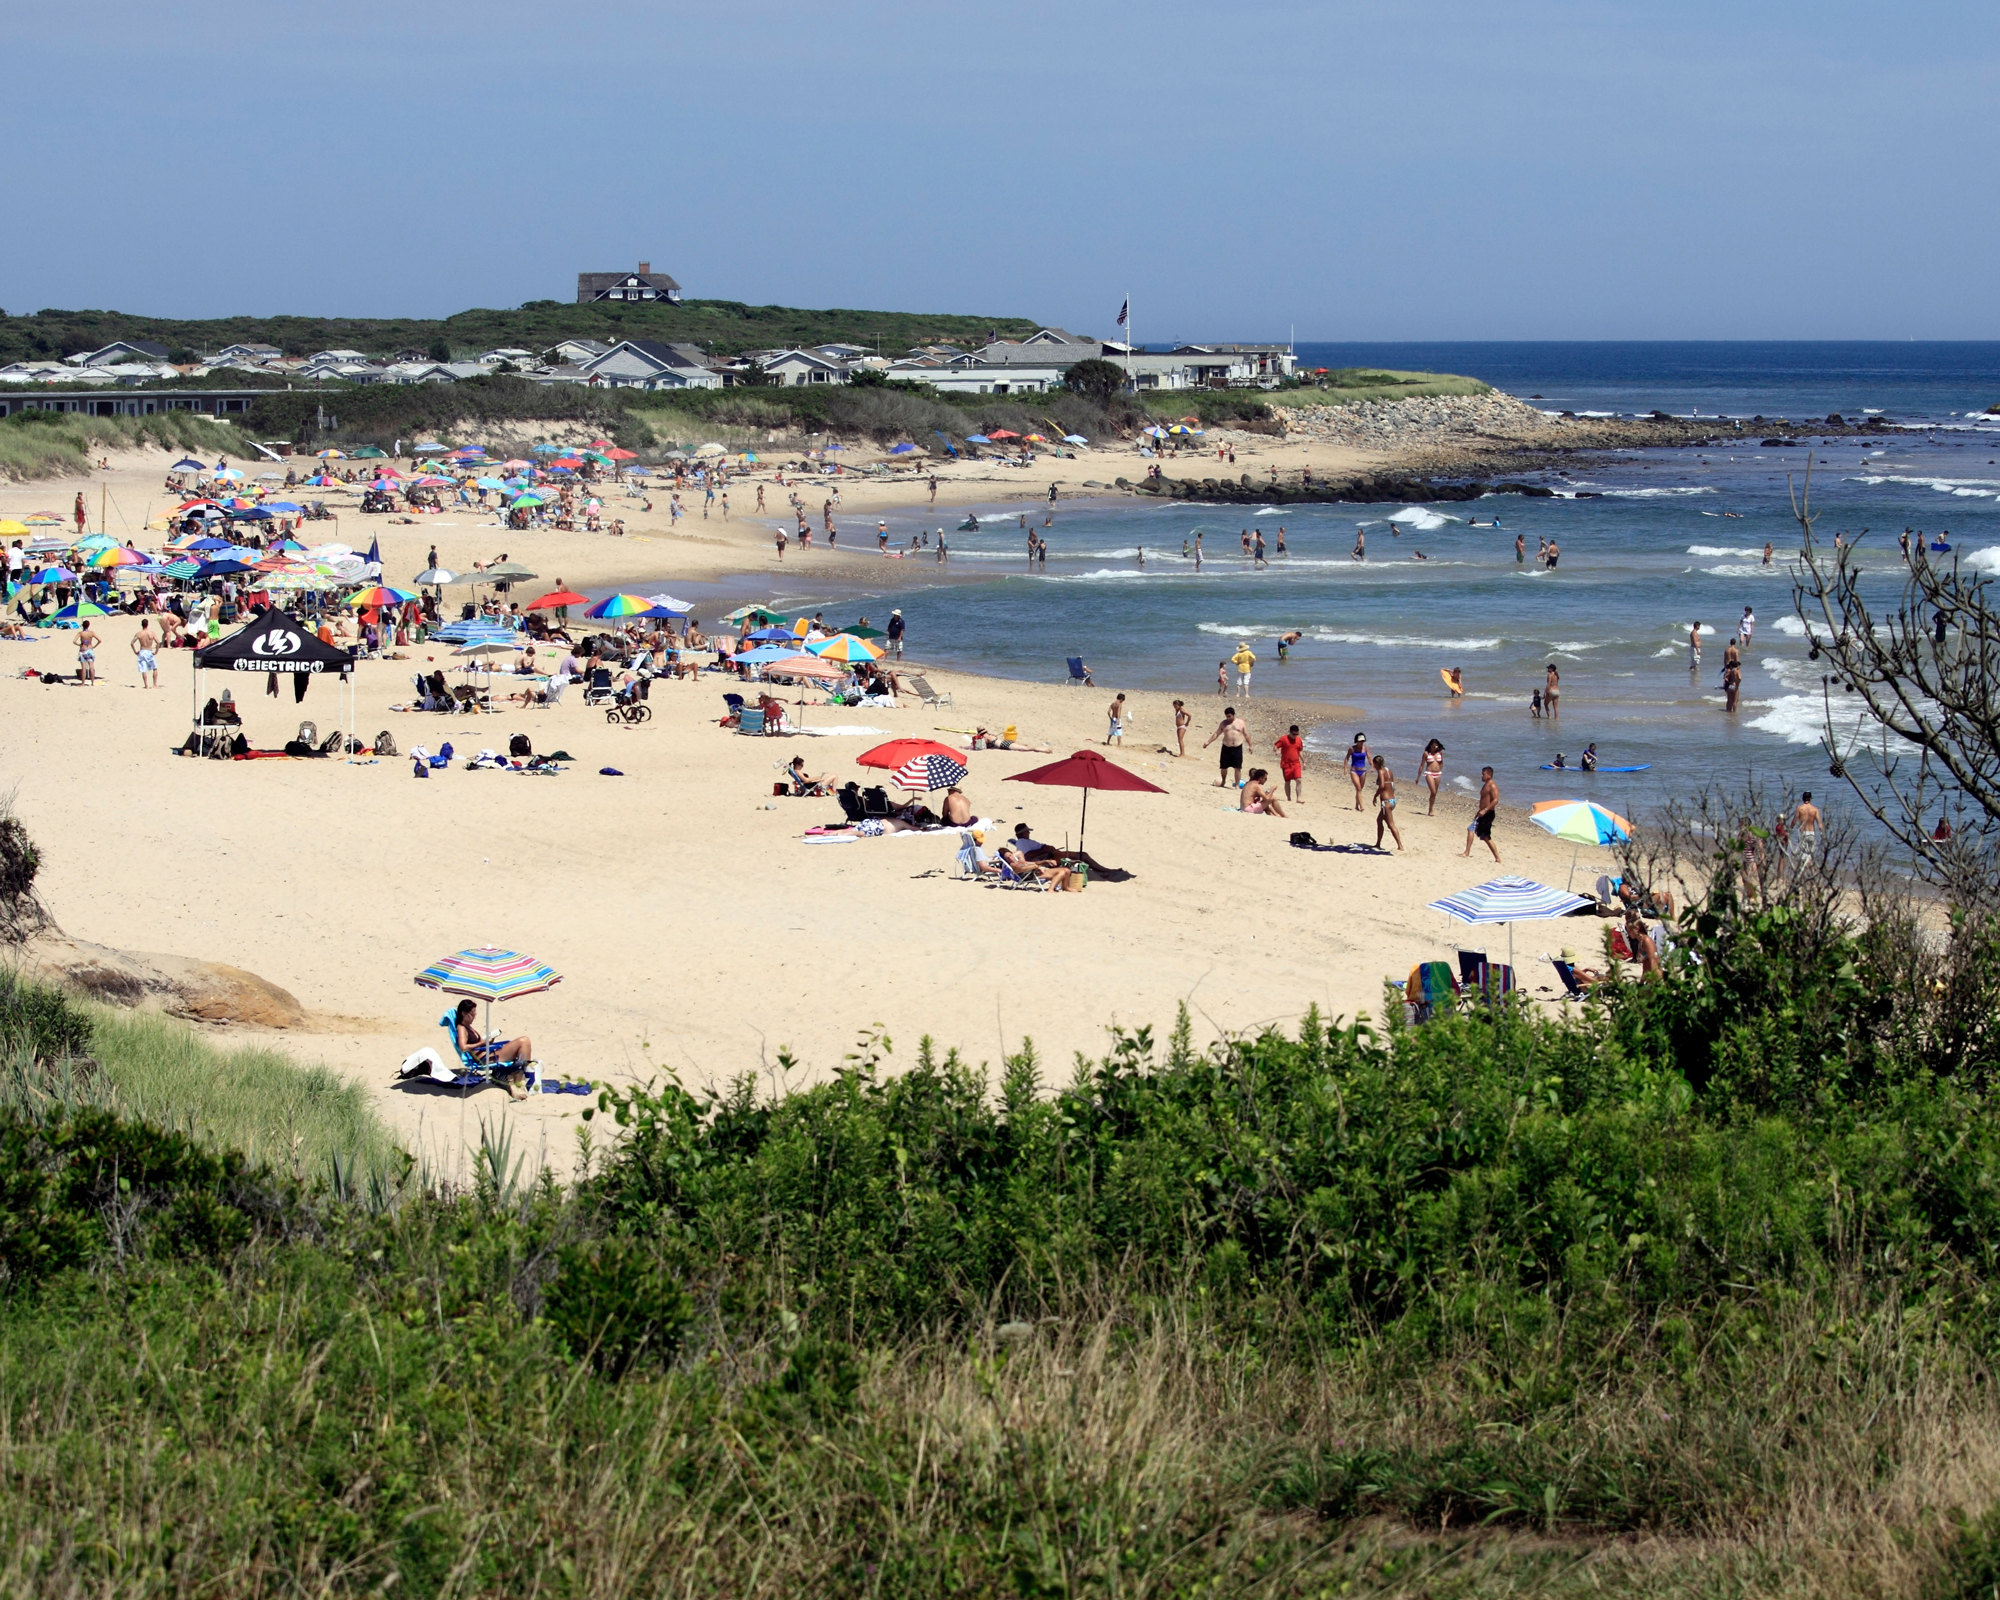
1086,770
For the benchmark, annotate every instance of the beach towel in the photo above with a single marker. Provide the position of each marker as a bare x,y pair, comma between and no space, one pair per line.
426,1063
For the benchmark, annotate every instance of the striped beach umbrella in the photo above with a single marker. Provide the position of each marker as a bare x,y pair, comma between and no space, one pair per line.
116,556
620,605
1581,822
845,647
378,595
1509,900
489,973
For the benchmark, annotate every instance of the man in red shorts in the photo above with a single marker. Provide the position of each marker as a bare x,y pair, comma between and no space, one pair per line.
1291,763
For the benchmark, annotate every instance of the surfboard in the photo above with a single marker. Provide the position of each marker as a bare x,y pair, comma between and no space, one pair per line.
1644,766
1446,675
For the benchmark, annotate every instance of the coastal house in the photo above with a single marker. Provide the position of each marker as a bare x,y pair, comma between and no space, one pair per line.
118,352
336,355
799,367
1221,366
244,355
966,376
649,364
574,352
645,284
520,358
36,372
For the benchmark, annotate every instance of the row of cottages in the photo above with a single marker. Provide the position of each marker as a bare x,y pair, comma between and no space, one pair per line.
646,364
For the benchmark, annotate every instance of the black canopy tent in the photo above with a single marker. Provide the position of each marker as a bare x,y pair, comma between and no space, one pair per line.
274,641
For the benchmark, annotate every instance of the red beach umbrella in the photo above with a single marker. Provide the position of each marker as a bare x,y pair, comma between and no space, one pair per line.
1086,770
898,751
560,597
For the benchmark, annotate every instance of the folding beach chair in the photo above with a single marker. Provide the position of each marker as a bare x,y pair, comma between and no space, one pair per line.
734,702
1078,672
750,720
474,1073
599,691
921,687
1572,990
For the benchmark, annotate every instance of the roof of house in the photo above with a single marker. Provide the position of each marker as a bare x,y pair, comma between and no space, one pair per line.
598,282
112,351
667,355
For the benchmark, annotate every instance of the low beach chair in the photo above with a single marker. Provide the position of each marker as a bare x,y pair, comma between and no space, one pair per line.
1572,990
474,1073
1078,672
750,720
734,703
920,686
554,693
598,691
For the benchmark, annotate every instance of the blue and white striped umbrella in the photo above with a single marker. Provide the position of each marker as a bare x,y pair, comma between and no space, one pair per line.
1509,899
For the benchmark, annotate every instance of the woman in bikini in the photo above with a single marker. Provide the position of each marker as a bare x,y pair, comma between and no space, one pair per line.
1357,765
1431,770
509,1058
1551,692
1385,803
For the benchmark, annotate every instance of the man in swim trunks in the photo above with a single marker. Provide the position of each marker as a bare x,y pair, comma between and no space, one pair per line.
1234,733
144,643
1520,549
1481,827
1385,803
1694,647
1291,763
86,654
1116,714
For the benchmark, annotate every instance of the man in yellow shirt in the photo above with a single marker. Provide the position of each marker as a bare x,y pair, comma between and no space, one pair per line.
1243,660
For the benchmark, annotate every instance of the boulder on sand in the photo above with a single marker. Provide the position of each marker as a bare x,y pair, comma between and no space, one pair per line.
204,991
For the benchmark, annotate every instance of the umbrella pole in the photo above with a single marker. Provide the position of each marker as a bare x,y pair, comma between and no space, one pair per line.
1571,885
1084,821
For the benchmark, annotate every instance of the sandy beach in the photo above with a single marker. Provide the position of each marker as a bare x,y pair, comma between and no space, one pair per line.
697,931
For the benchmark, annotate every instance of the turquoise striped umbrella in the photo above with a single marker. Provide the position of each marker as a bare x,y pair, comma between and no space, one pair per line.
1509,900
489,974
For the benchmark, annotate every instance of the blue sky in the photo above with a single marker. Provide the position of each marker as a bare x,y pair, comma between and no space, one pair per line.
1533,170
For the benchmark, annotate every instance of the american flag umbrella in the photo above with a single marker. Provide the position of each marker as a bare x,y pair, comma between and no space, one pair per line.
929,772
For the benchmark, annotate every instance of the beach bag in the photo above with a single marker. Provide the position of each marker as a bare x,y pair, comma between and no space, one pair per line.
519,746
1304,840
385,744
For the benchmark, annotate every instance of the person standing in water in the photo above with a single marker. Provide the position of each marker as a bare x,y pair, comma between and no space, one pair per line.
1694,647
1520,549
1360,543
1281,538
1197,552
1552,693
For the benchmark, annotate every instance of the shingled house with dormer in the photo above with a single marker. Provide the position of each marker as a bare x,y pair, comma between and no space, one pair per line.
645,284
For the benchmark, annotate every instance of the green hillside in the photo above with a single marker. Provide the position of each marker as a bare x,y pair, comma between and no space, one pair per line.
723,326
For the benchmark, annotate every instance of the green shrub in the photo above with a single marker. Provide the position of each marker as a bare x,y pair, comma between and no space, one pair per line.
616,1305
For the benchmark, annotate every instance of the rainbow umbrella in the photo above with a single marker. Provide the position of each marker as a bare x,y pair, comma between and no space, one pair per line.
489,974
78,611
1581,822
620,605
379,595
845,647
331,455
50,575
116,556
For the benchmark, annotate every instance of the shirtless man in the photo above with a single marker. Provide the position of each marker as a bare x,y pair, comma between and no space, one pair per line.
1805,823
1115,714
1481,827
1183,720
145,644
957,809
86,653
1385,803
1234,733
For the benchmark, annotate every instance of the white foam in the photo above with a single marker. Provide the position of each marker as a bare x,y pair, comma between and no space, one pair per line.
1724,550
1803,719
1963,488
1986,560
1654,494
1739,569
1421,518
1669,651
1791,627
1402,640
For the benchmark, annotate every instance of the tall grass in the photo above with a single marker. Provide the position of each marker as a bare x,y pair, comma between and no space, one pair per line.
46,444
1352,385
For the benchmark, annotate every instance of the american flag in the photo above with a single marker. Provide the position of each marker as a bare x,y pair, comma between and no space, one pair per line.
1125,311
929,772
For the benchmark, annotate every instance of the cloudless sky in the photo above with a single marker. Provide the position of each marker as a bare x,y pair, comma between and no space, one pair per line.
1404,169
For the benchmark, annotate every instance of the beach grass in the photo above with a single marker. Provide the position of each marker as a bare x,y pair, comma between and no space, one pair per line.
1350,385
47,444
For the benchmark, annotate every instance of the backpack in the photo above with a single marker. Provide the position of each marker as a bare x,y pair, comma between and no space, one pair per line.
519,746
385,744
1305,841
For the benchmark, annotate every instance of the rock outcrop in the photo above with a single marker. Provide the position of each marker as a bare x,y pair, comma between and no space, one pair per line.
203,991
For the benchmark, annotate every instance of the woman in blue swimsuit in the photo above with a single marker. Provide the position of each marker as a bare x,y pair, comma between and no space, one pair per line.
1357,765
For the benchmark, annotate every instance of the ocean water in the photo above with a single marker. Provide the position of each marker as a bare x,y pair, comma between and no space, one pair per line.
1651,542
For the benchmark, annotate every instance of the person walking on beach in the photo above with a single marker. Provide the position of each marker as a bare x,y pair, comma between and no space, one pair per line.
1234,733
81,514
933,491
1116,715
760,499
86,654
144,645
1481,826
1291,751
1431,770
781,544
1552,693
1183,720
1385,803
896,629
1357,765
1245,659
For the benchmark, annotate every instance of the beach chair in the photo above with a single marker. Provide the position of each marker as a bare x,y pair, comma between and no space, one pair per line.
921,688
1429,985
1471,968
553,695
734,705
474,1073
598,691
750,720
1078,672
1572,990
966,863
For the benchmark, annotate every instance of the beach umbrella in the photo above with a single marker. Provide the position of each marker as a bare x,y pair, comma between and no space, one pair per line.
641,472
434,578
378,595
187,464
507,572
845,647
545,450
429,448
897,751
490,975
710,449
284,507
924,773
764,654
230,474
116,556
331,455
529,500
270,477
615,454
901,449
798,666
977,438
79,611
179,569
222,569
489,483
49,575
1074,438
861,630
515,465
370,451
9,527
96,541
741,613
559,597
1509,900
1582,822
620,605
208,541
773,634
670,602
1086,770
